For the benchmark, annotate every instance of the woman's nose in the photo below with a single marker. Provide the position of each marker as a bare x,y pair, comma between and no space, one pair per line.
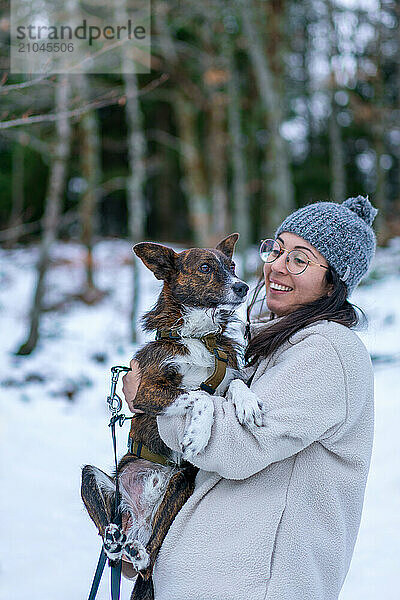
280,264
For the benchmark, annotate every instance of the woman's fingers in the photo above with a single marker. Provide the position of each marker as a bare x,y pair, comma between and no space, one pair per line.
134,365
130,385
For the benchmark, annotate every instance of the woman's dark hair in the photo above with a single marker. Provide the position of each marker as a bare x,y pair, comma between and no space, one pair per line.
334,307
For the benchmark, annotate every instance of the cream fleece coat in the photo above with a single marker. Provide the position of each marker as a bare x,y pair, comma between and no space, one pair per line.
276,508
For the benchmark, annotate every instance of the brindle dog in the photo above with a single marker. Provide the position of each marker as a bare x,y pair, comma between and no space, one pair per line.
199,296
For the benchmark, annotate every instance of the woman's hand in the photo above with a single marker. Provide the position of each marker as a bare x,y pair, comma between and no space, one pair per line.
130,386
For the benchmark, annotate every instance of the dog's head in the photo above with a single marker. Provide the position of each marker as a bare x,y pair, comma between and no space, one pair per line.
197,277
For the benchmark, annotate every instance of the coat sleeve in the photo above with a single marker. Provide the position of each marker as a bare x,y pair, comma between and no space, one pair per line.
304,397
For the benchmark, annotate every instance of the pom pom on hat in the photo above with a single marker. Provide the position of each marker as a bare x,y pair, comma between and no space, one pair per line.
362,207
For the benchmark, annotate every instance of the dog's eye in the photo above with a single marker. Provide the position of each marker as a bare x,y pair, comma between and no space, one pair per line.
205,268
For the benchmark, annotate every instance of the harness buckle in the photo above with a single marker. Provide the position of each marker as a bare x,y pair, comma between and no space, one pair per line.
207,388
173,336
167,334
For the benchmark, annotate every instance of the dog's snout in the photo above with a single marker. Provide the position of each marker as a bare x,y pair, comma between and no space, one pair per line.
240,288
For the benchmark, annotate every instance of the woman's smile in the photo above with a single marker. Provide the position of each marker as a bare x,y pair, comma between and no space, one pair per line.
278,287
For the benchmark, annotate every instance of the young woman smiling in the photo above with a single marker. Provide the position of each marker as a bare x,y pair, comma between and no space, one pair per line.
279,492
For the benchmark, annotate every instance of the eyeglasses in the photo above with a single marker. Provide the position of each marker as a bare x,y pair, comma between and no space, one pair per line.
296,261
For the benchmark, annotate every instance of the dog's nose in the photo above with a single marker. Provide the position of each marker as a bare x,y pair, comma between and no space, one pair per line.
240,289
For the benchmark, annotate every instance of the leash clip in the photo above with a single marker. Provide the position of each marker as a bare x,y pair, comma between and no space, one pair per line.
113,400
114,404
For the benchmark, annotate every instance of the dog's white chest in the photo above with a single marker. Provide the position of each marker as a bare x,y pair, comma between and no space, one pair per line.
198,365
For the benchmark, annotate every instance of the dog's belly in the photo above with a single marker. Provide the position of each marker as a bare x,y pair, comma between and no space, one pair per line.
142,485
198,365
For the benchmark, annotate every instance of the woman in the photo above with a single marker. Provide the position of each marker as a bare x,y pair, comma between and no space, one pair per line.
276,508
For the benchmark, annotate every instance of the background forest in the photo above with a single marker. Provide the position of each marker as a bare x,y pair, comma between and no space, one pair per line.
251,109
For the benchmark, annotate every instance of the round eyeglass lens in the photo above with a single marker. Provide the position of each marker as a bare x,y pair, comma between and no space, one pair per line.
296,262
270,250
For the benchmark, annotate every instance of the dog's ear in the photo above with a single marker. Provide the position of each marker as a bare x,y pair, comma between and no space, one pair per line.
159,259
227,245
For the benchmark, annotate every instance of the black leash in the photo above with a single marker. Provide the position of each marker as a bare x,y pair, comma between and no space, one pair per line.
115,405
115,565
97,575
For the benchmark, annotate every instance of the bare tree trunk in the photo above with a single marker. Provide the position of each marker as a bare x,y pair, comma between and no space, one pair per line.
185,112
17,182
378,132
164,183
195,180
279,180
308,16
336,149
136,154
58,169
91,171
241,212
338,175
217,166
136,181
215,77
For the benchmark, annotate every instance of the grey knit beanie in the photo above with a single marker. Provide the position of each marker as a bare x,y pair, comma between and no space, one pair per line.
342,233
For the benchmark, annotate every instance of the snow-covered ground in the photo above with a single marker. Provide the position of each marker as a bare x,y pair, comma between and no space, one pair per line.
53,419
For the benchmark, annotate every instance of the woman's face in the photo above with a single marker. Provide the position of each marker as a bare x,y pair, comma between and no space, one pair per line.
303,288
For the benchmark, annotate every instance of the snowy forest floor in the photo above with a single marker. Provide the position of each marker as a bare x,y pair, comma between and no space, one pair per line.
54,419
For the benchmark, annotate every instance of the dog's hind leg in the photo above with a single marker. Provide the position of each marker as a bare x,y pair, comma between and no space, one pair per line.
98,493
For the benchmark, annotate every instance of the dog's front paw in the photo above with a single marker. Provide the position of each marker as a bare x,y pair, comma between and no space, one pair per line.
248,407
136,553
198,430
114,540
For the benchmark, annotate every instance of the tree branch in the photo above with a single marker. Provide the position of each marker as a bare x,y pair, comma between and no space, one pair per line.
82,110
